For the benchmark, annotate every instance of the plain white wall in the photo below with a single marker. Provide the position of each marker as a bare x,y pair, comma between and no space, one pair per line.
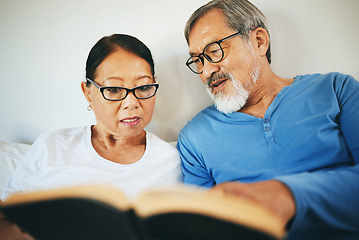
44,46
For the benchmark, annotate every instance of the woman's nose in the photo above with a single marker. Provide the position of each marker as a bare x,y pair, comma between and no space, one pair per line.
130,102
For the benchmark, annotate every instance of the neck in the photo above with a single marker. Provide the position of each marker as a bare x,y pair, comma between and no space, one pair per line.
263,93
113,140
120,149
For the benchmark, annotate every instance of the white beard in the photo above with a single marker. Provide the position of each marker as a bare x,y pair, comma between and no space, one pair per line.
233,103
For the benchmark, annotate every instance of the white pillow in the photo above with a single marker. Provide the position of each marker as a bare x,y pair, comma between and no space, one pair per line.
10,154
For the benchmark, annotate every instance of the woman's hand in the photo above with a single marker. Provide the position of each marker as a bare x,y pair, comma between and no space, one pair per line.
10,231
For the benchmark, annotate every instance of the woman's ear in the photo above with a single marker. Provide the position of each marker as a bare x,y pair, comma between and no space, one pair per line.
260,40
86,90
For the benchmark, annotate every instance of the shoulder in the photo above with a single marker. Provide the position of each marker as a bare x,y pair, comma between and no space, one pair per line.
204,117
337,83
206,122
332,78
67,134
162,160
53,146
159,147
69,137
159,143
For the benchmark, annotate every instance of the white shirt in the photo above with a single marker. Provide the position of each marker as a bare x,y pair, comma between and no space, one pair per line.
67,157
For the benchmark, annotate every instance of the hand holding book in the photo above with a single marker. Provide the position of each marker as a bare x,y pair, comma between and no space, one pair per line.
272,194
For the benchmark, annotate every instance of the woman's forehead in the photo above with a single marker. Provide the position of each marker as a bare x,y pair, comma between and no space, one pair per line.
124,66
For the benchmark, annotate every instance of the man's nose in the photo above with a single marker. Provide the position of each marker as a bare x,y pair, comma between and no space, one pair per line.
209,69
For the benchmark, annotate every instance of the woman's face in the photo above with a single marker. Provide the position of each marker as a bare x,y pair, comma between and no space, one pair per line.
128,117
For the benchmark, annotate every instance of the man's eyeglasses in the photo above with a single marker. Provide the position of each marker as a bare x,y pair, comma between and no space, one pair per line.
120,93
213,52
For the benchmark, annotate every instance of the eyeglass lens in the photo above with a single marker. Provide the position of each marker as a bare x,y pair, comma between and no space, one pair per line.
212,52
141,92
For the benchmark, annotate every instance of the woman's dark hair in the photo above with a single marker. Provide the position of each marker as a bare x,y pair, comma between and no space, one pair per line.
107,45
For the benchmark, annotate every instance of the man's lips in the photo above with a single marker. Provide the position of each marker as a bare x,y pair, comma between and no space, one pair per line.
217,84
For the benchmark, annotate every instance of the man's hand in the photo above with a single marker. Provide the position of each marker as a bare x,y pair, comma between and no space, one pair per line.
272,194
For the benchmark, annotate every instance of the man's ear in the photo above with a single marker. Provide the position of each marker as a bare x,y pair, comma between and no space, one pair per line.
260,40
86,90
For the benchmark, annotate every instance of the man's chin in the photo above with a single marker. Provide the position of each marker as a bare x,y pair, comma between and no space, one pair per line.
226,109
229,105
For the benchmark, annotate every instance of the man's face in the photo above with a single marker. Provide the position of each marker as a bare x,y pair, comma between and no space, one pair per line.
229,81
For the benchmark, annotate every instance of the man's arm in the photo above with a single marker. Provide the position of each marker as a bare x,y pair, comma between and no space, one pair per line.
326,198
194,170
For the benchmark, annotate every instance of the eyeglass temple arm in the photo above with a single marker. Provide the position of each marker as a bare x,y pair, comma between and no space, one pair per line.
93,83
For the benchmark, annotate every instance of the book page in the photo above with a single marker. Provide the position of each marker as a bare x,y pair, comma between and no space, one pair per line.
204,202
109,195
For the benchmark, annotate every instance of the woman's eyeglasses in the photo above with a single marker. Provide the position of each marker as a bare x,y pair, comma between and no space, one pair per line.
120,93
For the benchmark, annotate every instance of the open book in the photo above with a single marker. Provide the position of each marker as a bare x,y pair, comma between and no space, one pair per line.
104,213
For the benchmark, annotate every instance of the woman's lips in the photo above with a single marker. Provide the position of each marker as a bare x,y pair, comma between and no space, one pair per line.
130,122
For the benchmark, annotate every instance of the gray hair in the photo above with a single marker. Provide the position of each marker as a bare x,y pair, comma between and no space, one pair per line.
241,15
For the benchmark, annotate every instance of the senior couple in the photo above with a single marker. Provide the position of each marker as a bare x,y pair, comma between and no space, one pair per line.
291,145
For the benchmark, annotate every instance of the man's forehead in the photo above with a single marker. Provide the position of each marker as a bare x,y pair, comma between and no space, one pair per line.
199,40
211,27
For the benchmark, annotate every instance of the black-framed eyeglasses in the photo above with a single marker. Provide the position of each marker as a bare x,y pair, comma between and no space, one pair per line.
213,52
120,93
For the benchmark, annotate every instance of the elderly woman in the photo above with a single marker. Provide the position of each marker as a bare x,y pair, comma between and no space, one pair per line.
121,91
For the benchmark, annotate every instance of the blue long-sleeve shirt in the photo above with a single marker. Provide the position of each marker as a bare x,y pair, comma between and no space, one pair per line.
308,139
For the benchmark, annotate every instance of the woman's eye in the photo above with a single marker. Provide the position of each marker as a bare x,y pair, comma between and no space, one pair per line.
113,90
144,88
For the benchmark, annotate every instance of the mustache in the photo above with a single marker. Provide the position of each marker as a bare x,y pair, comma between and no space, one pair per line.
216,77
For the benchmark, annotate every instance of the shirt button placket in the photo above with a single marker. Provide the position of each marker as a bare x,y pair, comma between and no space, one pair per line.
267,129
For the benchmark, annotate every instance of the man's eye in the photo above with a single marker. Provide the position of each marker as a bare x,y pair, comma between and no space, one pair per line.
215,51
196,60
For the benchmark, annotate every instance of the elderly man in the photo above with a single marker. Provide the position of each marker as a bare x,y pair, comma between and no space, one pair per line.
289,144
